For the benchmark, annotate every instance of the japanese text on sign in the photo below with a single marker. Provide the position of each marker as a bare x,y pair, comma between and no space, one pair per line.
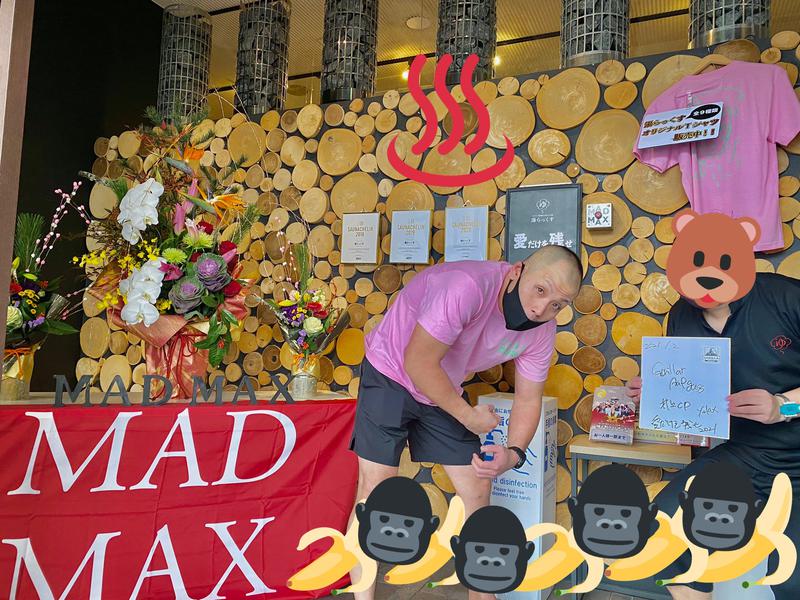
689,124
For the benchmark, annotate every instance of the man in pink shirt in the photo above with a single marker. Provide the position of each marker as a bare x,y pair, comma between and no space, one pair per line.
450,320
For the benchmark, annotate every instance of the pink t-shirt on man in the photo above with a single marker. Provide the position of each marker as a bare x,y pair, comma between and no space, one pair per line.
457,303
737,173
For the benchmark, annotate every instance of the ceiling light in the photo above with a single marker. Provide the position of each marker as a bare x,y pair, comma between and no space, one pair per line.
496,60
418,23
405,74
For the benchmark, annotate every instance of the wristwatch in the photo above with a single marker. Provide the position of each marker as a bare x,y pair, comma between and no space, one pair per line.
788,410
521,455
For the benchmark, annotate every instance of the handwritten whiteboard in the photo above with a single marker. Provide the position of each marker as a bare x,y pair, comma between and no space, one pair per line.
685,384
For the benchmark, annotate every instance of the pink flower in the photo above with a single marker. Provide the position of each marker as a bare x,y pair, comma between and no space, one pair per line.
171,272
179,219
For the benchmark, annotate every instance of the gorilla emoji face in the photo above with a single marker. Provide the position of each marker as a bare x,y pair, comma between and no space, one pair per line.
720,508
491,552
612,516
395,524
611,531
712,260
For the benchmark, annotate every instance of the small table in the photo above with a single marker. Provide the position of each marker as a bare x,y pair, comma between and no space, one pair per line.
638,453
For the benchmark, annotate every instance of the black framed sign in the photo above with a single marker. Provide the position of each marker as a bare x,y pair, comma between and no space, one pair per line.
542,215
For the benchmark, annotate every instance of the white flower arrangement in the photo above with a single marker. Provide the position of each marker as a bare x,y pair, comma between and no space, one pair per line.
141,290
138,209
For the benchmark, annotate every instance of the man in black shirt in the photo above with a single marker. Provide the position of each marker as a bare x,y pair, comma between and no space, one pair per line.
764,328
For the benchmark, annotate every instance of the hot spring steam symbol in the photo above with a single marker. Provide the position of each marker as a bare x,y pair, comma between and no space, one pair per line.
452,141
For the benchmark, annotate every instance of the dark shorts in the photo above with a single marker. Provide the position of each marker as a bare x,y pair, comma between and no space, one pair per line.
749,460
387,416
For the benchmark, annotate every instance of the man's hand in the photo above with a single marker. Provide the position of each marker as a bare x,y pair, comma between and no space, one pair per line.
502,460
634,389
757,405
481,419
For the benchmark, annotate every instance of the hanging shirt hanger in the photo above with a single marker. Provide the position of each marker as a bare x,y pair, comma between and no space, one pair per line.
712,60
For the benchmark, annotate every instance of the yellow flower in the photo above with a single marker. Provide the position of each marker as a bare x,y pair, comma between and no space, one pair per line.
286,303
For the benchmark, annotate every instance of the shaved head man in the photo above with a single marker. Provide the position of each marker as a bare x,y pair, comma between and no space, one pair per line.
450,320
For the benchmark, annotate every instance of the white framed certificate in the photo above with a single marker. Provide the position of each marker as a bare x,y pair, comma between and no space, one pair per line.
411,237
466,233
360,238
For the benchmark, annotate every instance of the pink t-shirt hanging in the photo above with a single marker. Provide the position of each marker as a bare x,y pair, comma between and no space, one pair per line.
737,173
458,304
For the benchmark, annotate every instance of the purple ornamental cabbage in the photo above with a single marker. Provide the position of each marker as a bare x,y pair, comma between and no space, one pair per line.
212,271
186,294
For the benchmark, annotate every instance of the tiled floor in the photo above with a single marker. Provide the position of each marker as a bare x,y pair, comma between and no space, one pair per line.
420,591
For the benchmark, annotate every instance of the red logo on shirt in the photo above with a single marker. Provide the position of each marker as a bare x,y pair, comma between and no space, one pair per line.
780,343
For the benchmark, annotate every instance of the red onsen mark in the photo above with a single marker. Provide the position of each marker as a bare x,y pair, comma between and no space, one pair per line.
452,141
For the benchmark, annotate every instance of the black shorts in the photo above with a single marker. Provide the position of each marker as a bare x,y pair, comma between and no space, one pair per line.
387,416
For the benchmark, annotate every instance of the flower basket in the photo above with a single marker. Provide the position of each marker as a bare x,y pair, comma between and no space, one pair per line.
17,372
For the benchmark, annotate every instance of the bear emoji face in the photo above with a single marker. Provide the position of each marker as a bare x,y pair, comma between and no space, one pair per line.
712,260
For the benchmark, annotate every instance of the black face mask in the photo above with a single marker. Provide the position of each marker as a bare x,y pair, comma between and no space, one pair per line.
515,316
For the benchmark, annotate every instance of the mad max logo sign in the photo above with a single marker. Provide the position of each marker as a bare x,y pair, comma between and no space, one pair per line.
448,145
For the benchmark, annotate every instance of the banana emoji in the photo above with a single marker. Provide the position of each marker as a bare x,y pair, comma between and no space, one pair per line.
767,537
341,557
438,553
555,564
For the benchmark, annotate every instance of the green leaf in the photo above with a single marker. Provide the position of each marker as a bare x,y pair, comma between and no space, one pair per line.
228,317
211,301
215,356
57,328
205,344
29,229
119,186
30,276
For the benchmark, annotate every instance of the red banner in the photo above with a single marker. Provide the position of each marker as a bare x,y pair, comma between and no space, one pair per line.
172,501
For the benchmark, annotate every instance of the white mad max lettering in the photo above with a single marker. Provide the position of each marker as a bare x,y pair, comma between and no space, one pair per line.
96,554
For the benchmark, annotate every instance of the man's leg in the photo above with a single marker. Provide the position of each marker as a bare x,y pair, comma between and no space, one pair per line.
475,494
370,474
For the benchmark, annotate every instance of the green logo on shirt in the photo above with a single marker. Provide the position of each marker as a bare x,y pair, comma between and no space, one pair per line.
511,351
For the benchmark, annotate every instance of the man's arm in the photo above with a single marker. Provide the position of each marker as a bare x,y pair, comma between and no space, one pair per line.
423,357
523,422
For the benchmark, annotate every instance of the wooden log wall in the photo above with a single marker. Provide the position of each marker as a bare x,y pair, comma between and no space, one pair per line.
305,169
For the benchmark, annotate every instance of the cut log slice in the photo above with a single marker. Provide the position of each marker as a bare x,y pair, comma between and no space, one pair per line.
313,205
364,125
657,294
743,50
608,311
545,176
114,366
653,192
635,72
247,144
611,183
223,128
588,183
289,121
487,91
573,169
237,119
629,328
338,151
129,142
592,382
350,346
118,343
771,56
564,432
403,145
590,329
625,296
508,86
368,144
101,146
363,287
790,209
254,176
95,337
334,115
788,185
391,99
357,105
606,278
621,95
481,194
667,73
642,227
566,343
621,220
368,163
583,412
588,300
354,193
100,167
549,148
610,72
408,106
321,241
375,303
529,89
564,316
455,162
309,120
568,99
642,250
661,256
783,160
565,383
102,200
387,278
588,360
605,144
438,500
664,232
270,120
512,176
386,121
305,175
293,151
511,117
790,266
791,71
624,367
597,258
634,273
275,140
786,40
